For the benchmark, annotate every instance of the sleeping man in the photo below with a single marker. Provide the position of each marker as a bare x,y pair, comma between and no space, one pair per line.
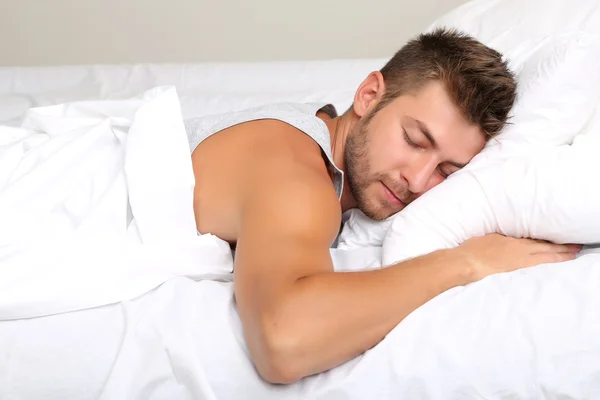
275,180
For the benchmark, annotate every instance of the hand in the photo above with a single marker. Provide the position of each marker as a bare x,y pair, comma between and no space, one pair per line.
496,253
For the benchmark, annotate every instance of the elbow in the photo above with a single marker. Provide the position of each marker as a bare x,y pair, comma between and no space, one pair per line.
278,362
278,372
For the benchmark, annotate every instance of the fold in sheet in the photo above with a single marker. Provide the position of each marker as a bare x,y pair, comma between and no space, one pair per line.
96,206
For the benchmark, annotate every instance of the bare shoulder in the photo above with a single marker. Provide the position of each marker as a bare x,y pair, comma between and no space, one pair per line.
290,176
277,141
289,218
295,200
255,163
285,172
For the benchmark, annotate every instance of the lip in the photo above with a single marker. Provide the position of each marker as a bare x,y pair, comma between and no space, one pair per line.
391,197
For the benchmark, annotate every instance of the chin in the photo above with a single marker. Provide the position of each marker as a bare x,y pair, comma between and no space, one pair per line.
377,213
387,213
375,208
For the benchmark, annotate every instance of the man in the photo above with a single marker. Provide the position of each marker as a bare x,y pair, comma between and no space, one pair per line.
275,180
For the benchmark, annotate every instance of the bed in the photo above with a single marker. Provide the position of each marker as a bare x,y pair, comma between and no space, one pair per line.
104,295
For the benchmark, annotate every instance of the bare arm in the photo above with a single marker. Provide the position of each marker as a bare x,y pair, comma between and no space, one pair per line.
300,317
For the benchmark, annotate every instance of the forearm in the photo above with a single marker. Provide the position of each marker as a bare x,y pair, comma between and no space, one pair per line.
329,318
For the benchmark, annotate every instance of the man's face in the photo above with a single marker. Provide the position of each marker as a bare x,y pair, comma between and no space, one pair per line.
406,148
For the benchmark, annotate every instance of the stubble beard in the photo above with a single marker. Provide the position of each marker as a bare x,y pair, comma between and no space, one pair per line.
360,176
358,169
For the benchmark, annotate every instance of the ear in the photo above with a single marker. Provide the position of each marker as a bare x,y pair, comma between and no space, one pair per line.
369,93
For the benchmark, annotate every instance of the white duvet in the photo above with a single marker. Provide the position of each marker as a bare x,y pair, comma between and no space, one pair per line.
96,211
96,206
516,335
96,219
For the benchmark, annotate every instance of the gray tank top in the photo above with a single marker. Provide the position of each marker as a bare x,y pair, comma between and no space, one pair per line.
300,116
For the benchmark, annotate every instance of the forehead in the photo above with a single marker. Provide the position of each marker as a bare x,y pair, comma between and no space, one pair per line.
432,106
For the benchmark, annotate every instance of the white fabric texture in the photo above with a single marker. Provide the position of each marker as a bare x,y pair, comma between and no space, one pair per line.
96,206
204,89
504,24
96,211
531,334
523,184
524,334
556,60
184,340
543,193
558,95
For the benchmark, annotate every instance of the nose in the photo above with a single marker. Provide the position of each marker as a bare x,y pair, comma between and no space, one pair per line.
419,174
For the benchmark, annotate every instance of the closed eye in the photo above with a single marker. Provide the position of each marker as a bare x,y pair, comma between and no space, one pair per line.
443,174
410,141
445,171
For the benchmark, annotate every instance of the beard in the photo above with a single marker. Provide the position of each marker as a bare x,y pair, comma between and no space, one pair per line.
360,176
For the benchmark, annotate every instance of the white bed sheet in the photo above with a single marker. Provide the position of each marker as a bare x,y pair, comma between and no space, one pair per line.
91,220
203,88
184,336
183,340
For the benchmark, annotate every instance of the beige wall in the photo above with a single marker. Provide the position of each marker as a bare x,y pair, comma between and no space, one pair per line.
51,32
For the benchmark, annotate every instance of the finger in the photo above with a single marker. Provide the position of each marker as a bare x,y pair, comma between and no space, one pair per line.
575,248
535,245
534,241
549,258
547,247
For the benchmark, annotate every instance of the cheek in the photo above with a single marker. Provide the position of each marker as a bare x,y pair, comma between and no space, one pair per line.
436,179
388,152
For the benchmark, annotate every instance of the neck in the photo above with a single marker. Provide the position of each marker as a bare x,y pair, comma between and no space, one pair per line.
339,129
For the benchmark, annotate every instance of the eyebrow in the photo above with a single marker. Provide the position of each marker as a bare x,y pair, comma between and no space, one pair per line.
423,128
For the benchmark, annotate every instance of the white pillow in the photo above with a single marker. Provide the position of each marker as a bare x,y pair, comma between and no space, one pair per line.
522,185
503,24
543,192
559,87
531,333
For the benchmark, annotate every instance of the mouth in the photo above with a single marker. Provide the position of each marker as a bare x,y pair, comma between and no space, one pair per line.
392,198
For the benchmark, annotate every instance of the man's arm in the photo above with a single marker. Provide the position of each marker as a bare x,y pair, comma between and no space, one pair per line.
300,317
